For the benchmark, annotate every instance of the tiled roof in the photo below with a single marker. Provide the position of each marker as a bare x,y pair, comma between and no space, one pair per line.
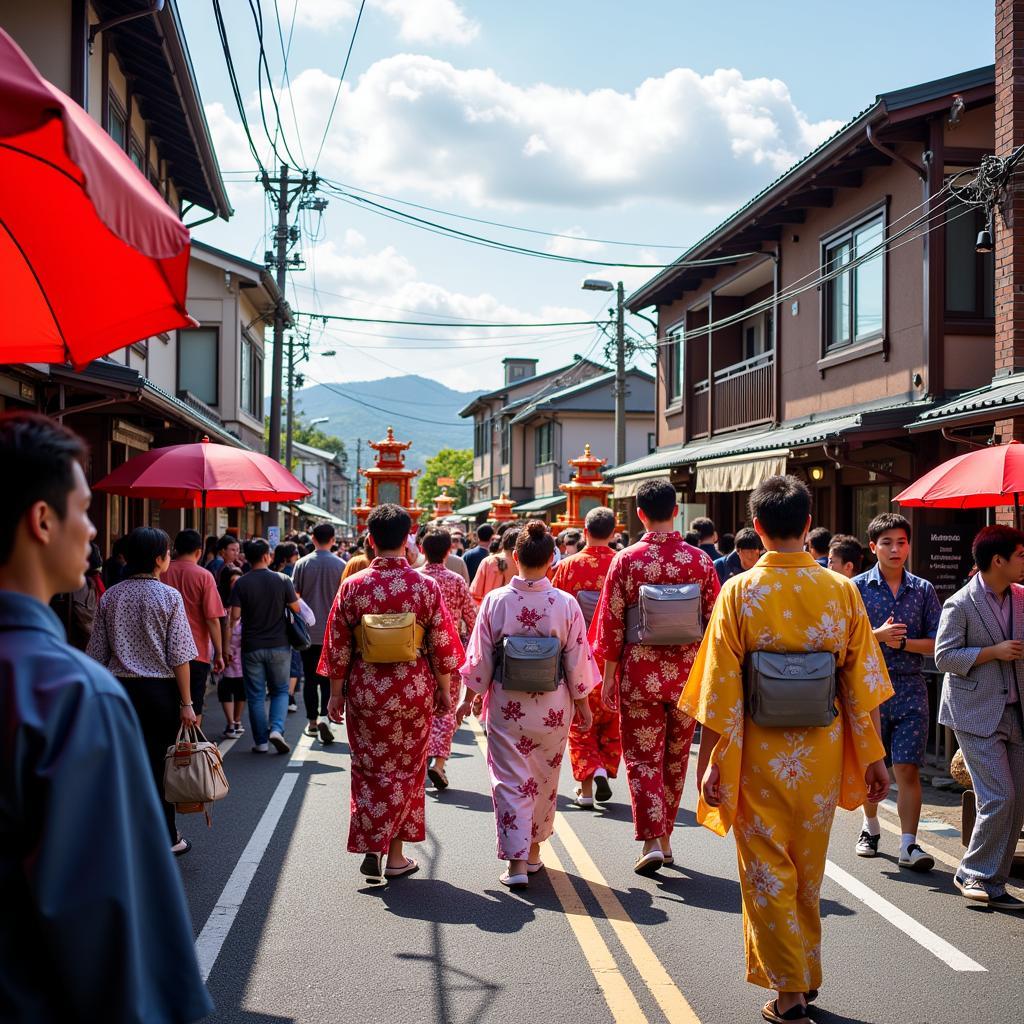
1001,396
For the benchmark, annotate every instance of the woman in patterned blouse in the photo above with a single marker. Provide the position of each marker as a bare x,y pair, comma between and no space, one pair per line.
142,636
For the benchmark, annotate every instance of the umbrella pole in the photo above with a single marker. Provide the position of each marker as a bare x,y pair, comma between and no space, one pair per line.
1016,510
204,517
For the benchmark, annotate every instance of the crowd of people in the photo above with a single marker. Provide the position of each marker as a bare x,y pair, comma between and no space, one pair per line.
803,671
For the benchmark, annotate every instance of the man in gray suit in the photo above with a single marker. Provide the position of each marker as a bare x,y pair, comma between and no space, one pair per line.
979,646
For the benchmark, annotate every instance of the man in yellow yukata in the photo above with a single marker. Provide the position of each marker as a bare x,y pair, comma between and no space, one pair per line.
778,787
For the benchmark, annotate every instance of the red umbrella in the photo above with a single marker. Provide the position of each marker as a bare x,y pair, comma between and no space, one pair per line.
204,476
983,478
95,257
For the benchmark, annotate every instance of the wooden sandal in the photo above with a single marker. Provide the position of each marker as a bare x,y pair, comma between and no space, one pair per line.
770,1012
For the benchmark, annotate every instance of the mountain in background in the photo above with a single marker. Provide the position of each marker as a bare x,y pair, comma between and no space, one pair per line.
420,410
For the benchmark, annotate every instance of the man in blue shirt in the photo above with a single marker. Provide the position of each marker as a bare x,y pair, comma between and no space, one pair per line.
473,557
748,549
904,611
95,926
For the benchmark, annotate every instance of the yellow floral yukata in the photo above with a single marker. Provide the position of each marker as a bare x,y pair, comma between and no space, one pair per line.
780,787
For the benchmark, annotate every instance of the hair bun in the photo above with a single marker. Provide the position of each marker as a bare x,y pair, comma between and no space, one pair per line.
536,529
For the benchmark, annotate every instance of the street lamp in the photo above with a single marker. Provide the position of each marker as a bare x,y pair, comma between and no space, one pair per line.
594,284
319,419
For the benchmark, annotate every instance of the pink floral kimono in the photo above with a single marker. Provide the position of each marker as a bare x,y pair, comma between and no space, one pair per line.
527,732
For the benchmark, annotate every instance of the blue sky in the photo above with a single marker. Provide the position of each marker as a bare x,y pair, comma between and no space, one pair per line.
645,122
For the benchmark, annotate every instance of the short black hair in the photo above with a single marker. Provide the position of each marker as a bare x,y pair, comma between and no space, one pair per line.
323,532
255,550
600,523
534,544
389,526
572,536
142,547
227,539
995,540
37,457
187,541
437,542
727,543
703,527
510,536
691,538
782,505
849,549
818,539
484,532
748,540
656,499
885,521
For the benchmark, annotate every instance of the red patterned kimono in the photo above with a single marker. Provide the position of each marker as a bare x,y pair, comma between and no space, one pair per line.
656,735
601,745
388,708
462,609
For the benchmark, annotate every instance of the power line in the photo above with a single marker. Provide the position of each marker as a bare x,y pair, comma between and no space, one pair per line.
387,412
341,78
285,76
455,344
263,65
431,323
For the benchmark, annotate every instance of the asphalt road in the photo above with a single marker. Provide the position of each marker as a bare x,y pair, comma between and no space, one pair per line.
288,933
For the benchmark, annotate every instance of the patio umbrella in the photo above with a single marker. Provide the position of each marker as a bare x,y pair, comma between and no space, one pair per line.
982,478
203,475
93,256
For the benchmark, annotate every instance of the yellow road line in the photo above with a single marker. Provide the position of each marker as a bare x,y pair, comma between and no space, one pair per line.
617,993
665,991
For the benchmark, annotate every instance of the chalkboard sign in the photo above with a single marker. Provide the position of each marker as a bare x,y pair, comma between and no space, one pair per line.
942,555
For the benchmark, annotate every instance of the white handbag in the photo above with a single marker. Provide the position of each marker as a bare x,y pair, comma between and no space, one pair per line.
194,773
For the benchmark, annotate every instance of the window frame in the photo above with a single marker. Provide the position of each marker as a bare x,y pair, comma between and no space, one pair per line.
675,343
831,354
115,108
251,403
206,328
544,430
959,319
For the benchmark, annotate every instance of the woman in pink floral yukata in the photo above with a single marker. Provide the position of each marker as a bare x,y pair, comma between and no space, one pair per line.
527,732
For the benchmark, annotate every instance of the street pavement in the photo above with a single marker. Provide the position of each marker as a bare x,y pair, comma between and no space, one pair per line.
287,932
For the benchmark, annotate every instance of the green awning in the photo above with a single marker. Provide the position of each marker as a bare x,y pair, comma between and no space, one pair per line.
540,504
473,510
307,508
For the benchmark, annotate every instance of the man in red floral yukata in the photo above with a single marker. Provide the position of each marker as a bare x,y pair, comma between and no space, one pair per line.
595,752
389,650
644,678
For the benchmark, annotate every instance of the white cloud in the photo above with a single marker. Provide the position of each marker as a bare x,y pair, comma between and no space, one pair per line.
576,245
418,21
414,122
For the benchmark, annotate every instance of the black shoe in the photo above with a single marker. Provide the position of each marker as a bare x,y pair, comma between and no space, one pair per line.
1004,901
867,845
602,791
326,736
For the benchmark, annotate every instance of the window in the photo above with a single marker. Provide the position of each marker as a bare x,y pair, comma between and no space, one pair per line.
652,443
854,298
250,393
970,276
869,500
482,437
506,443
117,122
758,335
135,152
674,341
544,443
198,363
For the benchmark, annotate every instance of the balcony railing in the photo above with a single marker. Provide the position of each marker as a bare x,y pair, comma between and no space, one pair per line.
742,398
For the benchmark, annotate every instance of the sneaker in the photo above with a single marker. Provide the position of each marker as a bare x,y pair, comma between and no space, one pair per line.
916,859
602,791
239,728
1004,901
972,890
326,734
867,845
229,733
310,730
260,748
279,743
292,706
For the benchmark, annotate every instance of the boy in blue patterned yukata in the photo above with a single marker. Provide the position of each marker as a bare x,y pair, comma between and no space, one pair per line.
904,611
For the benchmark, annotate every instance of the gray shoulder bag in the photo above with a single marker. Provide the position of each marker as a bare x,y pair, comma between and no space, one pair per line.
666,615
588,601
791,690
529,664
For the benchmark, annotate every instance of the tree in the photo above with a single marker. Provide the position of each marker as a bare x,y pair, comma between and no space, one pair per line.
453,462
313,436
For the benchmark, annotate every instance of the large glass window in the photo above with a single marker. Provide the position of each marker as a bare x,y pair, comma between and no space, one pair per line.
854,298
198,363
250,392
673,363
506,443
544,443
117,123
970,276
482,437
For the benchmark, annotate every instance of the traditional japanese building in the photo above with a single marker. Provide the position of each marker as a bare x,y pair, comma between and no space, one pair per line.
444,504
501,509
584,492
388,481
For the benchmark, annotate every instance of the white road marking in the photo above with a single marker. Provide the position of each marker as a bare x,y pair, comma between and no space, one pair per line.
226,745
222,917
301,750
923,936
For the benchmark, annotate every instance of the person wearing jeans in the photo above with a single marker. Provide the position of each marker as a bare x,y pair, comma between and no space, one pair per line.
261,598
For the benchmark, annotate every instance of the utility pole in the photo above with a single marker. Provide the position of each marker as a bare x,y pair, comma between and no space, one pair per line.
289,431
620,377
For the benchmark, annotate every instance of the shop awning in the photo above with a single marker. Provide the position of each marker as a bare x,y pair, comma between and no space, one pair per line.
739,472
1000,398
627,486
307,508
540,504
473,510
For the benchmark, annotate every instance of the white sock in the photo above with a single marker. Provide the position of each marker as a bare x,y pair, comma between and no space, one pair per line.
906,842
600,774
871,826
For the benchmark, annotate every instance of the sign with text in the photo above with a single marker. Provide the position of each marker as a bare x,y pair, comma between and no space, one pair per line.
273,536
446,481
942,555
